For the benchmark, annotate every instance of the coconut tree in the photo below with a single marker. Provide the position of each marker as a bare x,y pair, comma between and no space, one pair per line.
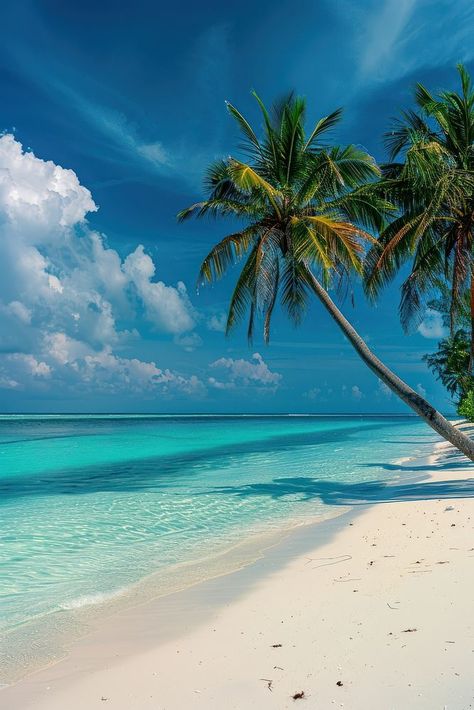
431,181
305,213
450,364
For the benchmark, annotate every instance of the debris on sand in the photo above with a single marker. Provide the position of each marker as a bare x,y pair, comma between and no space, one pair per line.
298,696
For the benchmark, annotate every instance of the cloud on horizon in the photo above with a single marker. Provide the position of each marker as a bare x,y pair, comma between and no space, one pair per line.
238,373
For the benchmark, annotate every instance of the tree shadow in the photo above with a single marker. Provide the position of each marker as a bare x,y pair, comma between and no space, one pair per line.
447,466
416,486
158,472
338,493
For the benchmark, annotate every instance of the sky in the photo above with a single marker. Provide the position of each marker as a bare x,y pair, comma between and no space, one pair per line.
110,114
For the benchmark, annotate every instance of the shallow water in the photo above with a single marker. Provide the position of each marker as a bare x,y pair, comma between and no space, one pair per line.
92,504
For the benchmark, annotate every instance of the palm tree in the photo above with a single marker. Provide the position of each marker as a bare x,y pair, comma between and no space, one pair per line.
431,181
442,304
450,364
305,212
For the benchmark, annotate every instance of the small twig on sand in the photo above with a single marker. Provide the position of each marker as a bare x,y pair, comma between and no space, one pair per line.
335,560
269,683
392,607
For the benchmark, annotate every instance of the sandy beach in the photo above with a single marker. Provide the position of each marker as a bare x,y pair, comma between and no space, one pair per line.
369,610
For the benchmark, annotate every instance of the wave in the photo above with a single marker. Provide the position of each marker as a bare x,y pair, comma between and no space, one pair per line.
91,599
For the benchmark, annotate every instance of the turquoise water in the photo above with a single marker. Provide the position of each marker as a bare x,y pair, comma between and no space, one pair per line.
92,504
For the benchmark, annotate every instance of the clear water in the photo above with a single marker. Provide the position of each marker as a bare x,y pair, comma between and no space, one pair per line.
92,504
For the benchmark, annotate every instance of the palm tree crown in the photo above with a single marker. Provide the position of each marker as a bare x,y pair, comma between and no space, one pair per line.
431,181
304,210
301,204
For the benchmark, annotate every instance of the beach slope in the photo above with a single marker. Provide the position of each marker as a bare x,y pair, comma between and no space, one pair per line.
375,614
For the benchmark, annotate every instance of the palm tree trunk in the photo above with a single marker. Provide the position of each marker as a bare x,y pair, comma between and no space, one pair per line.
418,403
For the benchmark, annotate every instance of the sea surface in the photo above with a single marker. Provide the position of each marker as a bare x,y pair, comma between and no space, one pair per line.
91,505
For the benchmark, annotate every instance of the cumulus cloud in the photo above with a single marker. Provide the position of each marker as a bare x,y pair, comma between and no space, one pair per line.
66,297
8,383
356,392
383,390
244,373
19,310
217,322
118,373
432,325
167,307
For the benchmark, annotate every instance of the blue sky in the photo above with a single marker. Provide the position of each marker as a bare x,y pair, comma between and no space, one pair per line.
110,113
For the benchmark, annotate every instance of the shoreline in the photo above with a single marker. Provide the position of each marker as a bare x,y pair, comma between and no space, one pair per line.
54,634
64,628
122,640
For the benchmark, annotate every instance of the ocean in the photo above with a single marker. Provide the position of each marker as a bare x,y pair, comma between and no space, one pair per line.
92,505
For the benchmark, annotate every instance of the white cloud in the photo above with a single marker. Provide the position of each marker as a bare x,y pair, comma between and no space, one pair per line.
7,383
31,364
432,325
356,392
65,296
18,370
167,307
392,42
118,373
63,349
219,385
103,370
39,193
217,322
189,342
155,152
120,134
382,34
19,310
383,390
242,373
313,393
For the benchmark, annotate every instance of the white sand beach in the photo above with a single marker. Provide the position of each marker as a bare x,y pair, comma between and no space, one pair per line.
371,610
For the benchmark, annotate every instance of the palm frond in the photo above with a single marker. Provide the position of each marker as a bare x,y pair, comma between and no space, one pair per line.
226,253
421,281
271,139
246,178
322,126
245,128
294,289
243,296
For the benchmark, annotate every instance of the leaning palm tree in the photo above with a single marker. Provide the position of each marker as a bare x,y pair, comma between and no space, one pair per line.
431,181
306,213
